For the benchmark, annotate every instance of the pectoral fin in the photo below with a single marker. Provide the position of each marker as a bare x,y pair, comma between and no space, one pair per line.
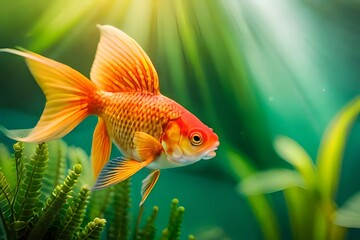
117,170
147,185
146,146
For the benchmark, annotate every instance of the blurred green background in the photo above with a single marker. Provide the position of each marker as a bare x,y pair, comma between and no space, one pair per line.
252,70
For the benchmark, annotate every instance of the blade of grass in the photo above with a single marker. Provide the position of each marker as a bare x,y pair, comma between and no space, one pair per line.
57,20
329,159
301,209
349,214
187,33
332,147
170,46
258,203
294,154
270,181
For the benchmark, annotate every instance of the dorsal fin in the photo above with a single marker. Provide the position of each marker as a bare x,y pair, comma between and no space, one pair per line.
121,65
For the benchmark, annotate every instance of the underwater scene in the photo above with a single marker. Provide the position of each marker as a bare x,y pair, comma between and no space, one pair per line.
257,138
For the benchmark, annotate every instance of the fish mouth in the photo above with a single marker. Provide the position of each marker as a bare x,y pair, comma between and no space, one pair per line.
211,153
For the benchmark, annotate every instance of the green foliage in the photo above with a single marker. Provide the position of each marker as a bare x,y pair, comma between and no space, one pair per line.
74,215
332,147
121,203
265,182
55,173
99,201
191,237
78,156
25,216
28,210
149,230
54,203
260,205
310,187
6,212
173,229
27,198
19,160
349,214
92,230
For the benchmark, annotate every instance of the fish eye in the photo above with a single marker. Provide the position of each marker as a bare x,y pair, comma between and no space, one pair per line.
196,138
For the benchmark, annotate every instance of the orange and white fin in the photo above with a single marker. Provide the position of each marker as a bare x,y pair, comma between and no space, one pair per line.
16,133
148,184
117,170
67,94
146,146
121,65
101,147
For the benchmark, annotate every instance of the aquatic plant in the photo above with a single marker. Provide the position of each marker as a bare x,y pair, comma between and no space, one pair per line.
309,189
38,204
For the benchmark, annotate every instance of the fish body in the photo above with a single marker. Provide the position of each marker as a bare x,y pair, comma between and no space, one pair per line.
127,113
149,129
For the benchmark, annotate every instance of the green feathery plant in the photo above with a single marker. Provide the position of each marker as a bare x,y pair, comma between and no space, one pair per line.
173,231
41,201
309,189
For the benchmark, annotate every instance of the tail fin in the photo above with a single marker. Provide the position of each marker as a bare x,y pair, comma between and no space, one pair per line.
68,98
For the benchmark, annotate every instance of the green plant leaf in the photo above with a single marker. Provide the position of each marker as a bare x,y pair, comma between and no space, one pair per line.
240,165
5,197
75,215
92,230
19,165
6,210
260,205
149,230
301,208
99,201
169,42
191,51
78,156
120,211
191,237
294,154
27,199
55,173
332,147
270,181
54,204
173,229
349,214
7,165
52,25
18,226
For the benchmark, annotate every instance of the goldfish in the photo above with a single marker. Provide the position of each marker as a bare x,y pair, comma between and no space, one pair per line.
150,129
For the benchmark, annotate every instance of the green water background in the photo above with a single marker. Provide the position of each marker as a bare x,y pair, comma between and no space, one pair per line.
251,70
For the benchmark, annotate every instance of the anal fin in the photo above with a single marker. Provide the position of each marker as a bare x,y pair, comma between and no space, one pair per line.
148,184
